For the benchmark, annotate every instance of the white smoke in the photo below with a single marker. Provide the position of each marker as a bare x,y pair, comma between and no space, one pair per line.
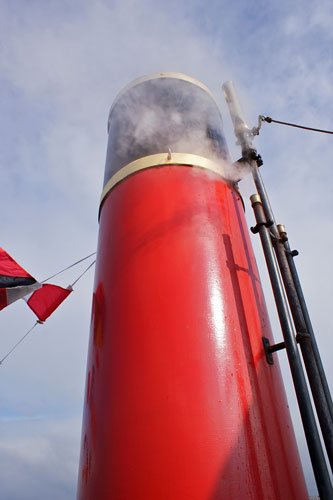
167,114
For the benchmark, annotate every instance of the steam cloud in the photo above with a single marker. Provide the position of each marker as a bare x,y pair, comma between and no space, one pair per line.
156,115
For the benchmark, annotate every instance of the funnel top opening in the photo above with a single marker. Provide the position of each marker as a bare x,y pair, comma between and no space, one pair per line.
161,75
160,113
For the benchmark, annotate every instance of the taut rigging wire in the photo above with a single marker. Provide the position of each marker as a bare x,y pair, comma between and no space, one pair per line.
68,267
268,119
21,340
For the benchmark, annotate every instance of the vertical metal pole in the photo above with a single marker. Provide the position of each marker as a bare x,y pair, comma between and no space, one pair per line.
307,319
305,341
310,354
264,197
312,436
304,338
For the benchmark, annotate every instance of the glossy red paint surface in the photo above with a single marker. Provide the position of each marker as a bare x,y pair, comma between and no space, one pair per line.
180,402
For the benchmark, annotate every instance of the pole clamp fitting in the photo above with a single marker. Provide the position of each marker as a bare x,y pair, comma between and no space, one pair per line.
256,228
249,155
293,253
302,336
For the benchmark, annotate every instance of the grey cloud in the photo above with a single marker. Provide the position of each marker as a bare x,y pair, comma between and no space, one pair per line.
62,70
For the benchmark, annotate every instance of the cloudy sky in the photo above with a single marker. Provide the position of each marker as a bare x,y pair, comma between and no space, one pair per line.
62,62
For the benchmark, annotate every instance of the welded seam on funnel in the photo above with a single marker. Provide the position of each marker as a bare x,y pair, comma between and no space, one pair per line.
160,160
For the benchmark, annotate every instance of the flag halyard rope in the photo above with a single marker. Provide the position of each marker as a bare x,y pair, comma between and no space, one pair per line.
68,267
84,272
38,322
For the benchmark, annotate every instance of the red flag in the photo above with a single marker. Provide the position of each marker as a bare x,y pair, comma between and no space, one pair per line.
15,282
45,301
11,274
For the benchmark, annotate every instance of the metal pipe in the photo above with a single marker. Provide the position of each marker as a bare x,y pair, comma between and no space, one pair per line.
308,352
311,432
314,378
305,340
241,129
264,197
307,319
249,154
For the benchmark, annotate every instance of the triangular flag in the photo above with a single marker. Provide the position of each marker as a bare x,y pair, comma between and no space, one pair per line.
15,282
45,301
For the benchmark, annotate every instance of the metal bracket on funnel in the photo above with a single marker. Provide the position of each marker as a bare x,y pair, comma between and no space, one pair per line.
269,349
